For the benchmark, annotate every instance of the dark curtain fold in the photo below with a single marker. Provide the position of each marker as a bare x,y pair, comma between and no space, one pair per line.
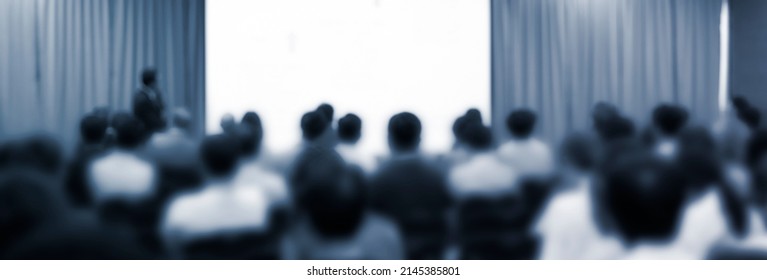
62,58
560,57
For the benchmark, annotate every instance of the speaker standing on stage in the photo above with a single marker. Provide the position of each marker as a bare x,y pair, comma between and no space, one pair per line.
148,105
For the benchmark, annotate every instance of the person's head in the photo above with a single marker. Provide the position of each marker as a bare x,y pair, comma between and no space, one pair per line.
250,139
252,120
458,126
327,111
740,103
579,152
27,202
130,130
182,119
313,125
220,154
644,198
330,192
350,129
602,113
751,117
93,128
404,132
43,153
617,129
478,137
473,115
227,123
756,148
521,123
669,119
149,77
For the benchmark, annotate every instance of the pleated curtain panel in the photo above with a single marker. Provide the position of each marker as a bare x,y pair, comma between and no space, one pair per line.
559,57
62,58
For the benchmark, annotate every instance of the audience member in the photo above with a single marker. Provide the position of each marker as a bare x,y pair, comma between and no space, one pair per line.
335,221
222,219
526,155
409,189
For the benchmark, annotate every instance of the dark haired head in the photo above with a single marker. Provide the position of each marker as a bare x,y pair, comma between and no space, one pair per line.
349,128
26,202
670,119
249,139
473,115
521,123
404,132
148,77
93,128
313,124
478,137
750,116
251,119
756,148
220,154
644,198
740,103
616,129
130,130
330,192
327,111
602,113
251,132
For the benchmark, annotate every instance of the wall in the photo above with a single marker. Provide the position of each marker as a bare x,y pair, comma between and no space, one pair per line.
748,51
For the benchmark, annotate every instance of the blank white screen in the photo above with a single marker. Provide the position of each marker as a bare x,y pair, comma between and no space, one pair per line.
282,58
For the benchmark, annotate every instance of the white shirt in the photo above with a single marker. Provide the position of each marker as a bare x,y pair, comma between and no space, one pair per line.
123,175
568,227
527,157
703,224
253,173
484,175
218,208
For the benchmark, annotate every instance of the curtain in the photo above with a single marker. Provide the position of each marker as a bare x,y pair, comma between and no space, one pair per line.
560,57
61,58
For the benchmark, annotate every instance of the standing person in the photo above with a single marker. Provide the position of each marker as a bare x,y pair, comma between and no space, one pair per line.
148,105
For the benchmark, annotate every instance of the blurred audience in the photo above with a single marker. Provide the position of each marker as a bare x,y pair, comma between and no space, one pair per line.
136,186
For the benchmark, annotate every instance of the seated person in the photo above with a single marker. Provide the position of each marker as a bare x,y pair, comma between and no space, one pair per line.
335,221
252,171
123,184
646,200
314,126
123,172
668,122
28,202
410,189
93,128
485,173
174,151
525,154
223,219
349,133
459,154
568,225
